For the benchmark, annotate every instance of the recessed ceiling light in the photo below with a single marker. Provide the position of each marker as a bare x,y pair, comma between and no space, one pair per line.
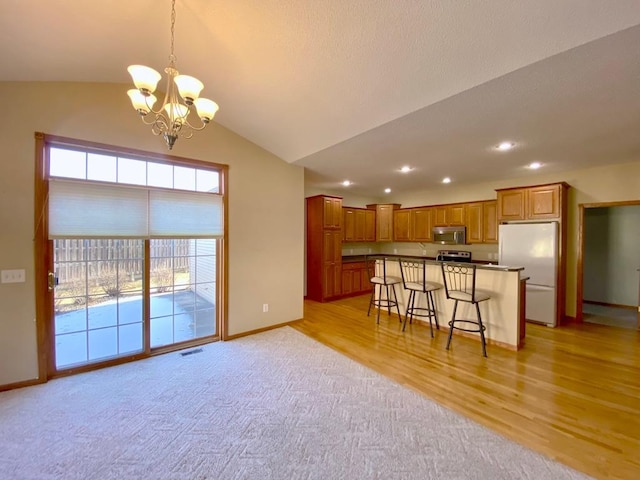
535,165
504,146
446,180
387,190
406,169
346,183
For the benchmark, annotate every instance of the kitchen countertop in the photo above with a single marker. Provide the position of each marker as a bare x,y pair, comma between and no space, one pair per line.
481,264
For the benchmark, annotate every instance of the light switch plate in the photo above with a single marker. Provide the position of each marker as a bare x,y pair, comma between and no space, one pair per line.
12,276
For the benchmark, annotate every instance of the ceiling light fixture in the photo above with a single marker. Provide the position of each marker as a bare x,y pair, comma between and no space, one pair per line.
504,146
170,120
406,169
387,190
535,165
446,180
346,183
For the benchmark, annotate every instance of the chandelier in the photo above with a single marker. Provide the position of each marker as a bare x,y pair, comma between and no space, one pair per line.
180,99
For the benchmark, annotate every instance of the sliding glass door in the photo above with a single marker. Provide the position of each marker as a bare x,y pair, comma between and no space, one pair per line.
133,248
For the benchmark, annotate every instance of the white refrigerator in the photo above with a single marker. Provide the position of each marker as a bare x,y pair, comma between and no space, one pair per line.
533,246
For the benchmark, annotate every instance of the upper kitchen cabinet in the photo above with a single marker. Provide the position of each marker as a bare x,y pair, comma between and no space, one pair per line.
446,215
332,212
384,220
402,231
490,221
475,222
540,202
358,225
422,223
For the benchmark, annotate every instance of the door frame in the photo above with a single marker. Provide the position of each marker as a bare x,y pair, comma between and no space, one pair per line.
43,259
580,259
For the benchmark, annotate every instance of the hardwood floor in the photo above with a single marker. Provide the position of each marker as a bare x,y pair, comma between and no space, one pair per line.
572,393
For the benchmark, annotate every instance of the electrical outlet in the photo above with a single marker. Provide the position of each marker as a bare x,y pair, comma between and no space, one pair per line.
265,307
12,276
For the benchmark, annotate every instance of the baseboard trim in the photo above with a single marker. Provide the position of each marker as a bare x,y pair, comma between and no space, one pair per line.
260,330
614,305
26,383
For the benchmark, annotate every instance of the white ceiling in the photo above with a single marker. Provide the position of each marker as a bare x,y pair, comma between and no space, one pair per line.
357,88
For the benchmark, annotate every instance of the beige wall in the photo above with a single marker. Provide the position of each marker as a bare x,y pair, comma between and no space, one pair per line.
266,207
612,183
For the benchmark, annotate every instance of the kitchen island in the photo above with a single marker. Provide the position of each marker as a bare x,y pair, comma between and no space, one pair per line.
502,314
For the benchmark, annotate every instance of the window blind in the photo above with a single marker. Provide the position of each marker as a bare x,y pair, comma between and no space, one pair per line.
89,210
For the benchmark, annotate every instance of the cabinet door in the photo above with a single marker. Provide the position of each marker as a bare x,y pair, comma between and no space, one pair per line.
349,223
347,281
475,223
402,225
370,225
543,202
511,204
456,214
332,247
332,285
384,221
422,224
440,216
360,225
490,222
332,217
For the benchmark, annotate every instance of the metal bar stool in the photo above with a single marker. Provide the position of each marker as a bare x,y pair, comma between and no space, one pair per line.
377,271
414,279
460,285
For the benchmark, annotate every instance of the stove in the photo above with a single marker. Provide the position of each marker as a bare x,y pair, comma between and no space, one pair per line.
453,256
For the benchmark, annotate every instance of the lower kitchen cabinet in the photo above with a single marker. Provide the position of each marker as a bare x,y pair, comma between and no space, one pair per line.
355,280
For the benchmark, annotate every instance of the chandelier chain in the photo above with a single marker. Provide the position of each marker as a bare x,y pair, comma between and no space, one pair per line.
172,57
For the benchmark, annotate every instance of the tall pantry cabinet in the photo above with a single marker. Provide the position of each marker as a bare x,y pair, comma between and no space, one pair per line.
324,247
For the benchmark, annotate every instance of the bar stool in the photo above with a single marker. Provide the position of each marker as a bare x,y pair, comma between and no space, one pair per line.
377,271
414,279
460,285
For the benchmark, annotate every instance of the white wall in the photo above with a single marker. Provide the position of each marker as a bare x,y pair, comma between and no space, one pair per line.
612,254
266,206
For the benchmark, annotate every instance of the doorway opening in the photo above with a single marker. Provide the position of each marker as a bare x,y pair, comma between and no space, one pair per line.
609,264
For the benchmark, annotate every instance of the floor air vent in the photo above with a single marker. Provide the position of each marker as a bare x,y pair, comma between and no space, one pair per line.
191,352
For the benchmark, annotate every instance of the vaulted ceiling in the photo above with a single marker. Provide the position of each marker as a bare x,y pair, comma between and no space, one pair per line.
354,89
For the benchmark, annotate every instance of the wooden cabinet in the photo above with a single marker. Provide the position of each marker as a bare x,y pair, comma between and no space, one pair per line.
369,225
446,215
511,204
475,222
490,221
544,202
358,225
402,231
421,221
412,224
324,247
482,222
332,217
384,221
540,202
355,280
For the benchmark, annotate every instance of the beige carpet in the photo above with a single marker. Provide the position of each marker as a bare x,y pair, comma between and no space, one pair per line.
276,405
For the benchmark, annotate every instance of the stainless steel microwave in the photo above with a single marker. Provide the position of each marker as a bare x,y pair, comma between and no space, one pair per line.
449,235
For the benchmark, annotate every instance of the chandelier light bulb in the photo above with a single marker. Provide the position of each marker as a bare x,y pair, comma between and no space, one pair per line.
144,78
206,109
189,88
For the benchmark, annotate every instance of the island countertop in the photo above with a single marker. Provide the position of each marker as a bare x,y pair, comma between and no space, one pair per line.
479,264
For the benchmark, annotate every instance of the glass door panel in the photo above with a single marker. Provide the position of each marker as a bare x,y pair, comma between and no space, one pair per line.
183,276
98,300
